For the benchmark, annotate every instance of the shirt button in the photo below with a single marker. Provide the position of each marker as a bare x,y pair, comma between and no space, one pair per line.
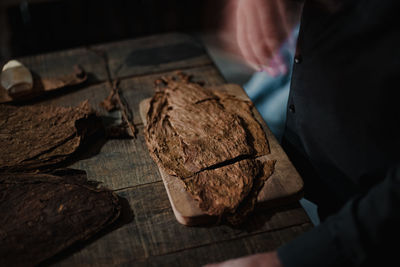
292,108
297,59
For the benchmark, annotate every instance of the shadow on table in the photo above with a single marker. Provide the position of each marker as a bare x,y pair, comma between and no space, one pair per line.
257,220
93,143
262,216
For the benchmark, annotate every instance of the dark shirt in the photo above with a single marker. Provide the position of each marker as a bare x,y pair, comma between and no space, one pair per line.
343,132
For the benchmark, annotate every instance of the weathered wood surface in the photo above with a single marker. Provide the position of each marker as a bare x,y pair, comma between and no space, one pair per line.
284,186
157,53
218,251
154,232
149,234
53,65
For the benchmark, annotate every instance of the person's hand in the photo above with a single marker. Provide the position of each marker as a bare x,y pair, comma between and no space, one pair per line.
269,259
259,29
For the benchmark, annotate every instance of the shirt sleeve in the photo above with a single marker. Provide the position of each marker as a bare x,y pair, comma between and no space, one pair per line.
364,232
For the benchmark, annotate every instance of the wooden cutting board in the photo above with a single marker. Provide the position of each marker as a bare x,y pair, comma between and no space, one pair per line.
282,187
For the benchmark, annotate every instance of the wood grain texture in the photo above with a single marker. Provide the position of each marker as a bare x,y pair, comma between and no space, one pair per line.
121,163
162,234
93,93
154,234
133,57
284,186
156,53
225,250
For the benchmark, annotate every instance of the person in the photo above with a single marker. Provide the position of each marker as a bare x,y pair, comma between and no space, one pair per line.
342,126
270,92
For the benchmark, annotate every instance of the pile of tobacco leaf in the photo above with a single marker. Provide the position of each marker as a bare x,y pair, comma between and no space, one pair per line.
44,209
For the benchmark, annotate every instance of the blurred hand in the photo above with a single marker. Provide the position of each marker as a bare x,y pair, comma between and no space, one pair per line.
259,29
269,259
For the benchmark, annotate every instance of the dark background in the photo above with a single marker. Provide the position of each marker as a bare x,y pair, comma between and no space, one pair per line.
37,26
30,27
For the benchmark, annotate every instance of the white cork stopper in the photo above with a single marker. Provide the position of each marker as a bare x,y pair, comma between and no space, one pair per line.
16,78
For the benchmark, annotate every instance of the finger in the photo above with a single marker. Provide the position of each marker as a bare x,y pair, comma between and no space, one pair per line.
281,17
275,30
273,24
257,33
243,41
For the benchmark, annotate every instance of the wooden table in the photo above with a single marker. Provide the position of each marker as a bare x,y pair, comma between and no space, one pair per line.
147,233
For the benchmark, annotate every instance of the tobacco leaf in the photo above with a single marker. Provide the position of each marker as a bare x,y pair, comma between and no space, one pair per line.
78,76
34,137
115,101
243,109
41,214
189,129
265,170
210,140
230,190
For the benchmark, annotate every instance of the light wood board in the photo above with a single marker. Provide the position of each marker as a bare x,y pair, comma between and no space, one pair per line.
285,184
